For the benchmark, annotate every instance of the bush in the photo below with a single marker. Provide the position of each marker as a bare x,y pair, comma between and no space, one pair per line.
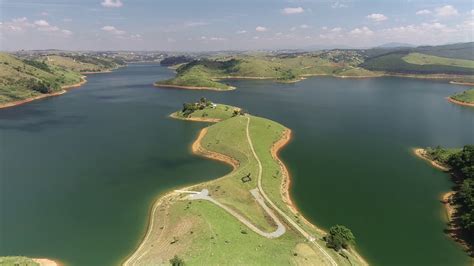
339,237
177,261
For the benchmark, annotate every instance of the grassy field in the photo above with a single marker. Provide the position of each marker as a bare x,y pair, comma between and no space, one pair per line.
17,261
202,233
423,59
465,96
22,79
219,112
288,68
395,63
72,64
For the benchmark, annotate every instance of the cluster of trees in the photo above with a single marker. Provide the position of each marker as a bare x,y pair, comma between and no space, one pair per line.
339,237
175,60
462,163
177,261
189,108
39,85
287,75
41,65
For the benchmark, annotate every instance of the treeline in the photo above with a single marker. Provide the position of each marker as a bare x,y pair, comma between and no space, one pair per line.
175,60
462,166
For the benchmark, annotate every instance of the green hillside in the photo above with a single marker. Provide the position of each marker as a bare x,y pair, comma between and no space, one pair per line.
80,63
423,59
206,72
404,63
22,79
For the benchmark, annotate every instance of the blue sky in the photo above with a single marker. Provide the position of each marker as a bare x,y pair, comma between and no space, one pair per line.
192,25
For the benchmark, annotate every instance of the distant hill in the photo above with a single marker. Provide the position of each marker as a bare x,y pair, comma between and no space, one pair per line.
454,59
457,50
395,44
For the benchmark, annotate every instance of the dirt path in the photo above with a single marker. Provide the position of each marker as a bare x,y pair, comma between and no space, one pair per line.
204,195
284,215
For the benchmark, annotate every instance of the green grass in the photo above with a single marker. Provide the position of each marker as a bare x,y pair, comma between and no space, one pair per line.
207,72
423,59
15,74
17,261
465,96
203,234
441,154
395,63
220,112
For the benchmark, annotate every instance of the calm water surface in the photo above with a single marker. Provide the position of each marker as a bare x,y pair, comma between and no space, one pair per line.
79,172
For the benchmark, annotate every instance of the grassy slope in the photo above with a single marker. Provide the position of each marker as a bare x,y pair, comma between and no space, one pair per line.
206,234
423,59
285,69
17,261
395,63
14,72
465,96
74,65
221,112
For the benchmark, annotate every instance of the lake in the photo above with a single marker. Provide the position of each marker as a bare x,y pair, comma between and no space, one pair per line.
79,172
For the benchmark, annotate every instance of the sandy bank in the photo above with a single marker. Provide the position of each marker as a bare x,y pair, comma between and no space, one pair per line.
62,91
459,102
421,153
191,87
46,262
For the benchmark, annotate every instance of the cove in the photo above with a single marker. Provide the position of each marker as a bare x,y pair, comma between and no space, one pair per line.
79,172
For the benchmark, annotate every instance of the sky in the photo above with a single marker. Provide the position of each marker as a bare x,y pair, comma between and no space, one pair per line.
209,25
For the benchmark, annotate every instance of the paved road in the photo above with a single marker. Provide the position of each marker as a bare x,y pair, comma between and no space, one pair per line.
273,205
204,195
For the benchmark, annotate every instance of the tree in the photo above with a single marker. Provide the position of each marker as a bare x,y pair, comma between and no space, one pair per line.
177,261
339,237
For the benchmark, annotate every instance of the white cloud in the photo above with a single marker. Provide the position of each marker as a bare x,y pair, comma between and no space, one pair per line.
112,3
377,17
217,39
339,4
304,26
241,31
113,30
66,32
337,29
446,11
362,31
261,29
41,23
292,10
195,24
423,12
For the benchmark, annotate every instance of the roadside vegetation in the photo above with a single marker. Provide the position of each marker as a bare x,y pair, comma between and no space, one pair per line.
461,164
465,96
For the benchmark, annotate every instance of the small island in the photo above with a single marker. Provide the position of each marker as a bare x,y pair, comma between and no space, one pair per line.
465,98
246,216
459,202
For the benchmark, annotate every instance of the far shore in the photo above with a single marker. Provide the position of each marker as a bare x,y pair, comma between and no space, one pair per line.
459,102
63,90
421,153
191,87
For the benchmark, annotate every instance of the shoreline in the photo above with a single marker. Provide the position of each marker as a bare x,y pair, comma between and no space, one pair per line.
421,153
191,87
63,90
46,262
195,119
450,99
